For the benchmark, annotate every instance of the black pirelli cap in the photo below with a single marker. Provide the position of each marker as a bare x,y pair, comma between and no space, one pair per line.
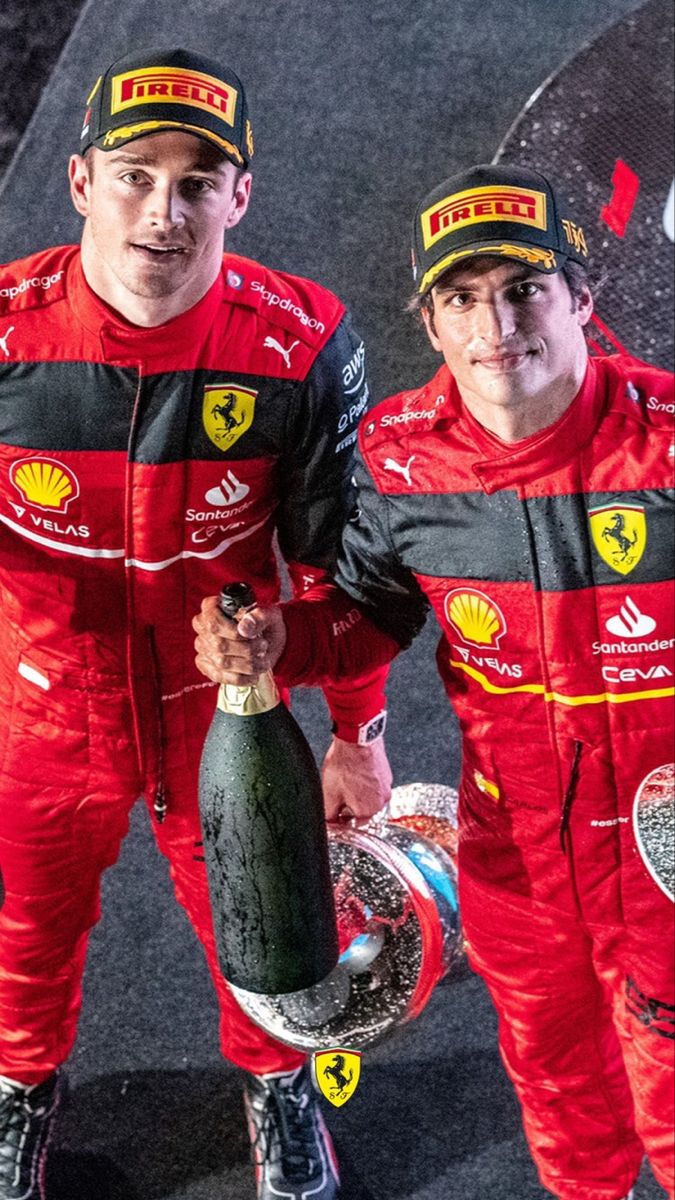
156,91
509,211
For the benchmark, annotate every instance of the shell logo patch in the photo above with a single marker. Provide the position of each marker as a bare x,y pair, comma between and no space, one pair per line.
337,1073
619,534
227,412
45,483
486,785
478,620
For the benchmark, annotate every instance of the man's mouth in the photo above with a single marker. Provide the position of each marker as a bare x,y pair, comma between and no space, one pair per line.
504,362
151,250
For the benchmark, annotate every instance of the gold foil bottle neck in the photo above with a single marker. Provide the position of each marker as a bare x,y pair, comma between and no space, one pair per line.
250,700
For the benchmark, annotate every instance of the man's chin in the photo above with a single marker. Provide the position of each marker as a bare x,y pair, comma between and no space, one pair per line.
152,285
505,392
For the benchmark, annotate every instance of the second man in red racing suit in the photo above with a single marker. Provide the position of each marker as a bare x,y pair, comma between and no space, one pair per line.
526,498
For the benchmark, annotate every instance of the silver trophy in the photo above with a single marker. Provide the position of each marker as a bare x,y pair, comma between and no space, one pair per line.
395,888
654,826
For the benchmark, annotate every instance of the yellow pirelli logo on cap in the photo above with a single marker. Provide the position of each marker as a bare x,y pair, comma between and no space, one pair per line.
483,204
174,85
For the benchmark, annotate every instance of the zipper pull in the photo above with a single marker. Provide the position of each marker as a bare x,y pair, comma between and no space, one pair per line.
159,806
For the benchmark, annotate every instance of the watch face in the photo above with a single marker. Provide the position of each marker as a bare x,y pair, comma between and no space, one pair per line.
373,729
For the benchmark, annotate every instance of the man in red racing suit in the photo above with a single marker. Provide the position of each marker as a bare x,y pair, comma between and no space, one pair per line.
144,462
525,495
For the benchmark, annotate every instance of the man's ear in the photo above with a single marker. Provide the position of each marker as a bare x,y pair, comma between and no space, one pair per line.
428,318
585,306
240,198
78,176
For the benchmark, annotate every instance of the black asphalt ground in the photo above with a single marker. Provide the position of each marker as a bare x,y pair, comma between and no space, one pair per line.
359,109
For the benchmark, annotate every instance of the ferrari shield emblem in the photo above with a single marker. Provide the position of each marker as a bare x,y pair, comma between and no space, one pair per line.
619,534
337,1074
227,412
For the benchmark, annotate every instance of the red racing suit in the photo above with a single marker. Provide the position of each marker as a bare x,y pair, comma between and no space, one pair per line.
548,565
140,469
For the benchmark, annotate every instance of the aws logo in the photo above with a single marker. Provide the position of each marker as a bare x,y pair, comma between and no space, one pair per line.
45,483
478,620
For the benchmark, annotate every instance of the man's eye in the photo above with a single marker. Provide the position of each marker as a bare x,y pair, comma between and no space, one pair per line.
524,290
132,177
197,186
459,299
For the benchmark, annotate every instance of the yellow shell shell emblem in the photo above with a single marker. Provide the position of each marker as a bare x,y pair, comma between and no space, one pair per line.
619,534
45,483
477,619
227,412
337,1073
486,785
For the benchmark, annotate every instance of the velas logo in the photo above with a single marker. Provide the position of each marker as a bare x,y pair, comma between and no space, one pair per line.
235,280
227,412
173,85
521,205
476,618
619,533
337,1073
45,483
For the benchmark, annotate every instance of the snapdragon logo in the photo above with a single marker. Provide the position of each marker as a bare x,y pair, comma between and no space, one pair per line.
287,305
660,406
36,281
405,418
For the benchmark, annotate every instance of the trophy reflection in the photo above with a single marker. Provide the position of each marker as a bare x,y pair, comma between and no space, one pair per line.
395,890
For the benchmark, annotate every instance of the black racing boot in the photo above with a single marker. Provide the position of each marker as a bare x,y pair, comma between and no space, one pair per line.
26,1120
292,1149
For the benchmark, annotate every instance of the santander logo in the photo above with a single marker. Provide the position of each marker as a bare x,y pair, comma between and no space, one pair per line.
230,491
629,622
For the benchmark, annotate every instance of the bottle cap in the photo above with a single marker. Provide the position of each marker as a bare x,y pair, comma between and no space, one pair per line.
234,597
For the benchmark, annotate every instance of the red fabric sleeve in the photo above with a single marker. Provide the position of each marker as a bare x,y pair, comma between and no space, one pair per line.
330,639
354,696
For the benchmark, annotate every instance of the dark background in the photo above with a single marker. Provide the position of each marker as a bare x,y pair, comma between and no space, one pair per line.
359,108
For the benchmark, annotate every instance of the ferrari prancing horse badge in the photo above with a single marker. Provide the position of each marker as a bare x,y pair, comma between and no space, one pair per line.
619,534
337,1074
227,412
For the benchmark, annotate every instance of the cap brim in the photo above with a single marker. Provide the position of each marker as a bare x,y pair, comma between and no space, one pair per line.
112,139
536,257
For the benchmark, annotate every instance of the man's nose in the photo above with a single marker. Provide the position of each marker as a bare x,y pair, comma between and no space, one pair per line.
165,206
494,321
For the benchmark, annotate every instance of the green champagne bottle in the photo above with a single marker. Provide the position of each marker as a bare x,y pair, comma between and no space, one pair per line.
265,841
